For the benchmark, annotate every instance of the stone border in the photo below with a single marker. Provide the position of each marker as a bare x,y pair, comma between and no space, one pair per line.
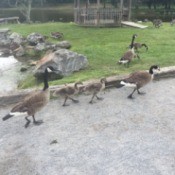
9,99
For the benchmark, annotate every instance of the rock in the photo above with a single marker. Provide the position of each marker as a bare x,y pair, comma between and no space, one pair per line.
45,46
35,38
23,69
40,47
53,142
16,38
64,45
5,52
19,52
65,61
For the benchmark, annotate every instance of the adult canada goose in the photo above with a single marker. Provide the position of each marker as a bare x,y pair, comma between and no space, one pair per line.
95,88
130,54
172,22
57,35
32,103
67,92
139,45
157,23
139,79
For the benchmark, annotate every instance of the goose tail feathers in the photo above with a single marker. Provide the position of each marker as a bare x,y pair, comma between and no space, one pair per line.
7,117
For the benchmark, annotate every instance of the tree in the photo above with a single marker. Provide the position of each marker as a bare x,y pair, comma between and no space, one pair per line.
24,6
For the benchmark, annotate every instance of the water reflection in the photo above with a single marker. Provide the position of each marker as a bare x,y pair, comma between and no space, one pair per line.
10,74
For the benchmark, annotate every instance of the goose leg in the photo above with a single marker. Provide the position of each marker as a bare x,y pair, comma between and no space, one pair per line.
36,122
27,123
138,56
140,93
64,104
99,98
75,101
92,98
130,96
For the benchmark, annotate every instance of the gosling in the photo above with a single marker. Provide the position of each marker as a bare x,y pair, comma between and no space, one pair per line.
67,92
95,88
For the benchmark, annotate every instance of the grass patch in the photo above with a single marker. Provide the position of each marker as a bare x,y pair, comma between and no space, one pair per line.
104,47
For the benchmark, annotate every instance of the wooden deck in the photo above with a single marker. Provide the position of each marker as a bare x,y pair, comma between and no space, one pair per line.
14,19
133,24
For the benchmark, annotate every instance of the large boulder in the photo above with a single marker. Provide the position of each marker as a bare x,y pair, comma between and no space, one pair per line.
64,45
16,38
65,61
4,37
35,38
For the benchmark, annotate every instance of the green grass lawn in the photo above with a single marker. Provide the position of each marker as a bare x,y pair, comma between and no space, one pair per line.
104,47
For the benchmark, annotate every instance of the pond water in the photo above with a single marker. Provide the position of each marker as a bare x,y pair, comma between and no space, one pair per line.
10,74
42,15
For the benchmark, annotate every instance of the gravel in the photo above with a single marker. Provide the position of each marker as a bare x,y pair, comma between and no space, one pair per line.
115,136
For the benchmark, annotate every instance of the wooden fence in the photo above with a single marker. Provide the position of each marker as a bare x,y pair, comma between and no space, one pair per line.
98,17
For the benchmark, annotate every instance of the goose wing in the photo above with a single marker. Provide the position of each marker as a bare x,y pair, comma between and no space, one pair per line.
139,78
64,91
32,103
94,87
127,55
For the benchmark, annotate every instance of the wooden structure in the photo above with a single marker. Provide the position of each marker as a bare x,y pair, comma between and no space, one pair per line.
101,14
14,19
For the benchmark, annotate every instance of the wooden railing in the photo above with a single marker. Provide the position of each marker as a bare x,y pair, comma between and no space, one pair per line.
98,17
9,19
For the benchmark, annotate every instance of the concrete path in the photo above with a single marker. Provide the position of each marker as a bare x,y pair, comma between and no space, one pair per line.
116,136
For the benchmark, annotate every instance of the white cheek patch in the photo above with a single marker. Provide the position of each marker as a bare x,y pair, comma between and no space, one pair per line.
131,85
156,71
18,113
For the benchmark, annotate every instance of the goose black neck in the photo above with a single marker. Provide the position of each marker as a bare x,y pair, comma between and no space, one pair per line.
46,85
151,70
76,85
132,42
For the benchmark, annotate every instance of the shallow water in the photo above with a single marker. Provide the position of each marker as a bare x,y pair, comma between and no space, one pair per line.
10,74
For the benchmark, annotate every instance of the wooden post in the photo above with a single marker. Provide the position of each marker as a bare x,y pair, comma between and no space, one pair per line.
121,11
98,12
77,11
129,9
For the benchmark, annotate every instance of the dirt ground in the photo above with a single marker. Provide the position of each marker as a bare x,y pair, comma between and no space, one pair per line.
115,136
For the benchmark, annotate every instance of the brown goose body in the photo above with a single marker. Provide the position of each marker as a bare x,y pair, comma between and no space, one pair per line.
139,79
68,92
95,88
140,45
32,103
130,54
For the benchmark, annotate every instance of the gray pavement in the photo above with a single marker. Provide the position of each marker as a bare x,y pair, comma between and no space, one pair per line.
115,136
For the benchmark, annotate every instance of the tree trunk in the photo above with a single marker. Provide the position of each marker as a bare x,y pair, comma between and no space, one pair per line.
25,8
29,6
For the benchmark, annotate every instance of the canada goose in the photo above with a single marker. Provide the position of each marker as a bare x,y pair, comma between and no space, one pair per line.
67,92
130,54
139,45
95,88
157,23
32,103
139,79
57,35
172,22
